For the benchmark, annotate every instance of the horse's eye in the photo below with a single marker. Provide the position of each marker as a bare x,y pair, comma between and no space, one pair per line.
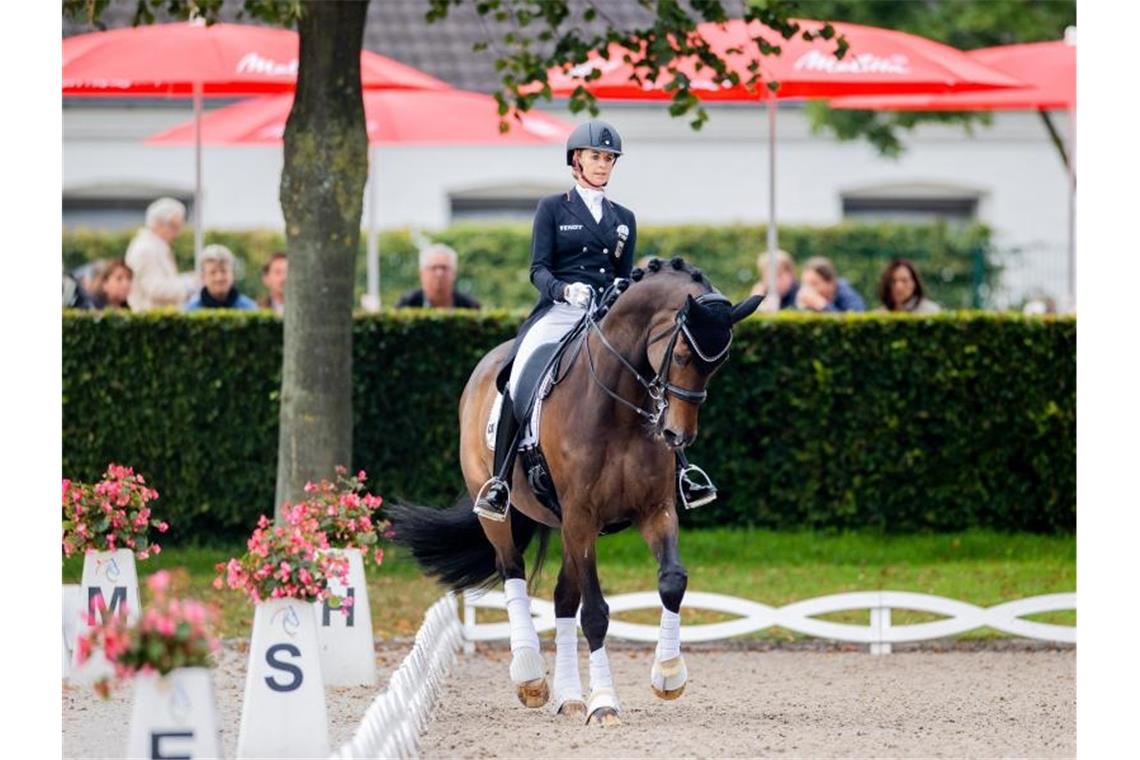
683,359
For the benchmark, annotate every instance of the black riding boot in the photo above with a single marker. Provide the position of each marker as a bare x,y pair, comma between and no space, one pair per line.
495,494
694,487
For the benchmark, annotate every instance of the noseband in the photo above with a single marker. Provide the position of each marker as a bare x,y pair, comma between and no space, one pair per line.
659,388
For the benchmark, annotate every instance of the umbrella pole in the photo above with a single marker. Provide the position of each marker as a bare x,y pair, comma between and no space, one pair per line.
772,302
197,174
372,302
1073,209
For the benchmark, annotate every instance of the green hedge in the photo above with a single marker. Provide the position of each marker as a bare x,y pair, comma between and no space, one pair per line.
902,423
494,259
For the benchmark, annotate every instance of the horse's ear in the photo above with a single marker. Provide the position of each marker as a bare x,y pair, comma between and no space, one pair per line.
690,305
745,308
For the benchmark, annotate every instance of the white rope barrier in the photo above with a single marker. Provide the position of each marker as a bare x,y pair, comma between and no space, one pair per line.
802,617
392,725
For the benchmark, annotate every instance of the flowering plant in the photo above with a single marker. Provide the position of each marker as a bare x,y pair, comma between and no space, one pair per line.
344,512
112,514
286,561
171,633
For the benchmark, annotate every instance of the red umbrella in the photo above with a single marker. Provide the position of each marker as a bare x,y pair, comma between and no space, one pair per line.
190,59
406,117
1048,69
879,61
220,60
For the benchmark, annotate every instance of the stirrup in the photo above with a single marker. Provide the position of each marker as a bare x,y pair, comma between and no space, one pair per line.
491,514
702,481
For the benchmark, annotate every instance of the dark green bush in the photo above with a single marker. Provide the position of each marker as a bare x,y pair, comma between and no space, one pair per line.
903,423
494,259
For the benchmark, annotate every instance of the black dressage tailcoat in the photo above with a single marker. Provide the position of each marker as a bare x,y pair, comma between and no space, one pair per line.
567,246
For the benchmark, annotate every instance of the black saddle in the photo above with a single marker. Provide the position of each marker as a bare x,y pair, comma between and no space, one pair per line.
547,357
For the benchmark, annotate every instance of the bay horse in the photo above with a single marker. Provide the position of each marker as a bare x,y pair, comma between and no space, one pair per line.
625,400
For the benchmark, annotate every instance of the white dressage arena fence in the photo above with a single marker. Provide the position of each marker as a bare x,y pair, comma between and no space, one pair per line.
394,721
801,617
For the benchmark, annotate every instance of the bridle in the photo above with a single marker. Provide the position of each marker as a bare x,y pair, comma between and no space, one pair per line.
659,388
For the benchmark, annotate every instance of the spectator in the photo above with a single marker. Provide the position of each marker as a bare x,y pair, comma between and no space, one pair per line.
156,280
273,276
113,286
786,284
74,296
218,292
88,274
822,289
438,266
900,289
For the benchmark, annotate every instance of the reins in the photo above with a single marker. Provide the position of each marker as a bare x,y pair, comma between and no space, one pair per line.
659,388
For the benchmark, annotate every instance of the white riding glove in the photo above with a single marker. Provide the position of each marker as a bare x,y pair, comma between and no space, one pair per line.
578,294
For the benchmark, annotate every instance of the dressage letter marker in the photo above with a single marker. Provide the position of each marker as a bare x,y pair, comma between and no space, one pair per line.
283,713
174,716
348,657
109,586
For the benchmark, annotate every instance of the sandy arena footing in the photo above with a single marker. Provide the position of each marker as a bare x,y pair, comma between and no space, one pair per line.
972,701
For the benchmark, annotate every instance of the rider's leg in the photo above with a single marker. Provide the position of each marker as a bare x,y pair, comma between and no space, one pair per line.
494,496
496,493
694,487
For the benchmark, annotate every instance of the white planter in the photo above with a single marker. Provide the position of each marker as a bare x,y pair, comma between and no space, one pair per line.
347,654
283,711
174,716
72,609
112,577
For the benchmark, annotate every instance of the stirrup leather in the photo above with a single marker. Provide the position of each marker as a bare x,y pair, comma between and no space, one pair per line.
491,514
700,481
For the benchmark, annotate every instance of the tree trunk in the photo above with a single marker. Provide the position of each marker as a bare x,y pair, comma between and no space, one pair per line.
322,184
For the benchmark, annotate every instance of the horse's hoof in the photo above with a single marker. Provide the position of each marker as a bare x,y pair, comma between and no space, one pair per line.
669,694
668,678
533,693
572,708
606,717
603,708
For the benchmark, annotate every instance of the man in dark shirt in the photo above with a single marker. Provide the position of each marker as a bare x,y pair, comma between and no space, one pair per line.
438,267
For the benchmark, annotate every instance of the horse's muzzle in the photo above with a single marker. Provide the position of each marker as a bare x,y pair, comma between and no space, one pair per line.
675,440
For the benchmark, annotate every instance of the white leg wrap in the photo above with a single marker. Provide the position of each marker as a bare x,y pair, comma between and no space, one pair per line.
523,633
669,638
602,692
567,681
600,677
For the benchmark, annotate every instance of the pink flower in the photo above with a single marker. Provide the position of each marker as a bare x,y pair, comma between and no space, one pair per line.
163,527
159,582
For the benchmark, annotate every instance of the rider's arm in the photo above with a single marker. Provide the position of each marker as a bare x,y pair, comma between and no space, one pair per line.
629,253
542,254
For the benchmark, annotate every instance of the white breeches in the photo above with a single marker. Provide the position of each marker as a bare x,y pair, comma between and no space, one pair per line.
550,328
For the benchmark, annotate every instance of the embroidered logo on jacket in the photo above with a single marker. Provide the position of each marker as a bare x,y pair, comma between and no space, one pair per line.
569,227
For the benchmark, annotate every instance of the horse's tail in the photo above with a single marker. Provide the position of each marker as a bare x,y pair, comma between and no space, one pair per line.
449,544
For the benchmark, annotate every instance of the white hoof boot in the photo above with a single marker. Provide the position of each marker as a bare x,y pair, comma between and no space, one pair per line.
603,708
528,674
668,677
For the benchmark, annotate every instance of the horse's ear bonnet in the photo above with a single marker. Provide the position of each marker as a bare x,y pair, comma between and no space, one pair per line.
707,326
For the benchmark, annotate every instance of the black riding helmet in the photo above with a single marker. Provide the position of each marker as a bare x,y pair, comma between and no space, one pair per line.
596,135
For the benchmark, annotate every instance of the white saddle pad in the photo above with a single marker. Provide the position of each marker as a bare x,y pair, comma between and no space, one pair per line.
531,429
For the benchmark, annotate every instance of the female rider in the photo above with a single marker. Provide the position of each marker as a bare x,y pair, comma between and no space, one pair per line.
581,242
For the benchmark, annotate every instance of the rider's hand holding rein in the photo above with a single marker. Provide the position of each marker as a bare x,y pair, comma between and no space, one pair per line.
578,294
